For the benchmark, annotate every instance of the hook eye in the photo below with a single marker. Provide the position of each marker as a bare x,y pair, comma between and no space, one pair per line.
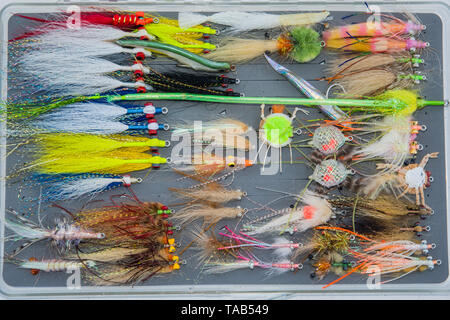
420,147
166,127
164,110
427,228
431,179
349,138
168,160
139,180
167,143
155,20
298,131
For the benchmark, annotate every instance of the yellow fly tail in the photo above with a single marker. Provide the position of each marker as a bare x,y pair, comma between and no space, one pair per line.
80,143
96,163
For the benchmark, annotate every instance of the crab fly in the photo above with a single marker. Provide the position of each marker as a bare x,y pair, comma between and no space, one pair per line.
276,130
413,178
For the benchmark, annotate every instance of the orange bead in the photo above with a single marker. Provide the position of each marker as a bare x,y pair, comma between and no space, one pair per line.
33,271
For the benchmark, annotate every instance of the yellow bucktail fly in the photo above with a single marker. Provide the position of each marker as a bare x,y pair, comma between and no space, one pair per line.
77,144
117,163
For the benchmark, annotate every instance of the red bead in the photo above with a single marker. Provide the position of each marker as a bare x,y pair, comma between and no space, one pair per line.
140,56
138,73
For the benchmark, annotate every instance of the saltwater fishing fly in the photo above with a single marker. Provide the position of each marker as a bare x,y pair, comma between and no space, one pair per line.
68,186
316,211
246,21
301,44
63,236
